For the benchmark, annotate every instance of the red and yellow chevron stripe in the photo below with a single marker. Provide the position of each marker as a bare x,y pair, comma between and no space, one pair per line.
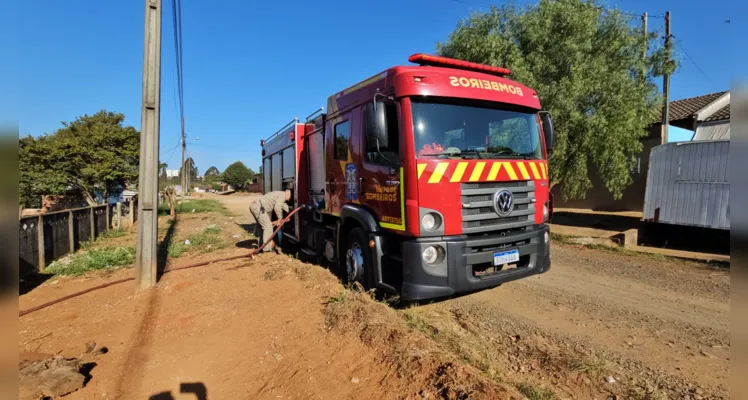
481,171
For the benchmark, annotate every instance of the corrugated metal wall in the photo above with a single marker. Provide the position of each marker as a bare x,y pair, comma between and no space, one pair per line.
688,184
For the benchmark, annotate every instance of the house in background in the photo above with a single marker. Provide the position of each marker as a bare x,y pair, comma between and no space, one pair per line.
708,116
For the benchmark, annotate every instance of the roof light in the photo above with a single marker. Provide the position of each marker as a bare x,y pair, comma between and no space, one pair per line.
426,59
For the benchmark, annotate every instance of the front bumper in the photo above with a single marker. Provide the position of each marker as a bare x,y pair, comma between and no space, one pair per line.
455,274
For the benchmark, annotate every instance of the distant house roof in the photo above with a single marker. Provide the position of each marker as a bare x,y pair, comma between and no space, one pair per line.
722,113
684,112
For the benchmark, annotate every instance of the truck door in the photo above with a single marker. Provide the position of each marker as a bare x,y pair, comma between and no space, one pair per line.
380,175
341,175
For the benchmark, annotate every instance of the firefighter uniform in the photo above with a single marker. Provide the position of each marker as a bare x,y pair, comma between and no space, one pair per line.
262,208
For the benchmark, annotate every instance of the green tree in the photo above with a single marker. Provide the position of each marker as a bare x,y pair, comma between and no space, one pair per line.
190,163
92,155
212,174
162,170
592,70
237,175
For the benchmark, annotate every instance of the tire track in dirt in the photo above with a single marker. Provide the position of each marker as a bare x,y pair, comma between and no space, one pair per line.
678,326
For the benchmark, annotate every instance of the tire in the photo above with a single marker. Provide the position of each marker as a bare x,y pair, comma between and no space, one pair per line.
357,251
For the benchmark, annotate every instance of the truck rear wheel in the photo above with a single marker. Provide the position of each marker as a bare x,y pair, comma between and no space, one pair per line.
359,265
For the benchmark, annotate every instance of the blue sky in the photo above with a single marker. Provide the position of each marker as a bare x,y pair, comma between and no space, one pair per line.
251,66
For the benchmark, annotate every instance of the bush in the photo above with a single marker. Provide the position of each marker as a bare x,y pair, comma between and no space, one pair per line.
95,259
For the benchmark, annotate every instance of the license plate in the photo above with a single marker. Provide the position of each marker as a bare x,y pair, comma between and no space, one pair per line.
506,257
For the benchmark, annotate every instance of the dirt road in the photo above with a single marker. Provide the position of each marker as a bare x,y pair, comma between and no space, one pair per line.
654,326
598,325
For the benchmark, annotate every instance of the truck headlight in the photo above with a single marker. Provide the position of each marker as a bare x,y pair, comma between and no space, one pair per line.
545,212
431,221
433,254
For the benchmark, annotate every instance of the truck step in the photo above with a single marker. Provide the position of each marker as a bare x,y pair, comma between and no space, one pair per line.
309,252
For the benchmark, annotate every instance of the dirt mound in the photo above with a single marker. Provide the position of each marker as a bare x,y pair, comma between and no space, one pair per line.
408,353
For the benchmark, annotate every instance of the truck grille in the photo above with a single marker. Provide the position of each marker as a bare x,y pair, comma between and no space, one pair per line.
478,214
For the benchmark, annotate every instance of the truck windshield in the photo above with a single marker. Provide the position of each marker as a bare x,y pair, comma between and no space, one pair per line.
444,130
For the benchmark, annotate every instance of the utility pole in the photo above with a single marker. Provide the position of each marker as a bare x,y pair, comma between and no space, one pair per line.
146,257
645,19
188,170
184,167
666,80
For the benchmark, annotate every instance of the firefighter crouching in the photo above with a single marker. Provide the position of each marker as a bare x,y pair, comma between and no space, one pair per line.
262,208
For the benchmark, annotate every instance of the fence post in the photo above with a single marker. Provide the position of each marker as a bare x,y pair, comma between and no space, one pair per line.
71,231
131,216
91,217
119,215
106,212
40,241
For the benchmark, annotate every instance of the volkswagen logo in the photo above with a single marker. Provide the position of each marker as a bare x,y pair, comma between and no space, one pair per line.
503,202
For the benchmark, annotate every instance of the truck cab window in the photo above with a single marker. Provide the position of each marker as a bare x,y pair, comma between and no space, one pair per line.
342,137
390,151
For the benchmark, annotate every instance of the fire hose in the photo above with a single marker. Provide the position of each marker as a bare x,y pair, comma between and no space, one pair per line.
250,255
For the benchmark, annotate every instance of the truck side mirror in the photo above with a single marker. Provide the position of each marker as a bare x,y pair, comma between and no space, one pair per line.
547,121
376,126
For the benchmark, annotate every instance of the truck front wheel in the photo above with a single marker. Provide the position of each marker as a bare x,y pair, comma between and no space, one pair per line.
359,263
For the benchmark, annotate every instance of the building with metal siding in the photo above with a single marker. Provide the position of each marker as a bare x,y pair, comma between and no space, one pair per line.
688,184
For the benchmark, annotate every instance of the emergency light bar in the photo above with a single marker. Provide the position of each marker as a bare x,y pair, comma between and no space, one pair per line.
436,61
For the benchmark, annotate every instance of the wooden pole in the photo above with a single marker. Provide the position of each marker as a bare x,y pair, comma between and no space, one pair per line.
40,241
146,257
92,223
119,215
71,230
666,81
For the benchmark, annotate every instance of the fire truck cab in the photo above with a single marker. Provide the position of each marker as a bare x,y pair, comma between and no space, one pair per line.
427,180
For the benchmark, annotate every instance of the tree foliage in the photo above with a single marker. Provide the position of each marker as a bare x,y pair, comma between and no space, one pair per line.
95,154
237,175
190,164
592,70
211,175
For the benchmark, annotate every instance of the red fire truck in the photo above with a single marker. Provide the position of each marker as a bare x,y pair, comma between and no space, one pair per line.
426,180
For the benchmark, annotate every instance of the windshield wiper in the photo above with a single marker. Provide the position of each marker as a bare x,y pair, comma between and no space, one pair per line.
510,153
471,151
454,154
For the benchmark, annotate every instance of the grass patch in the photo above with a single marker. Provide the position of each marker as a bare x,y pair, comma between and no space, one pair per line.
417,321
108,234
339,299
534,393
590,366
206,241
90,260
199,206
565,239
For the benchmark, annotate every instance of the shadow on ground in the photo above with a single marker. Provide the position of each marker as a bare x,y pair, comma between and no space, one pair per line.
30,281
196,388
163,249
607,222
676,237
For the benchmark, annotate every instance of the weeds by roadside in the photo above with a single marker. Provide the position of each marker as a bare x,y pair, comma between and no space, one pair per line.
195,206
94,259
534,393
107,234
204,242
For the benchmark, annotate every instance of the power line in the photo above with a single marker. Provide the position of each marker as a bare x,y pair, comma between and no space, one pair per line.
680,46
